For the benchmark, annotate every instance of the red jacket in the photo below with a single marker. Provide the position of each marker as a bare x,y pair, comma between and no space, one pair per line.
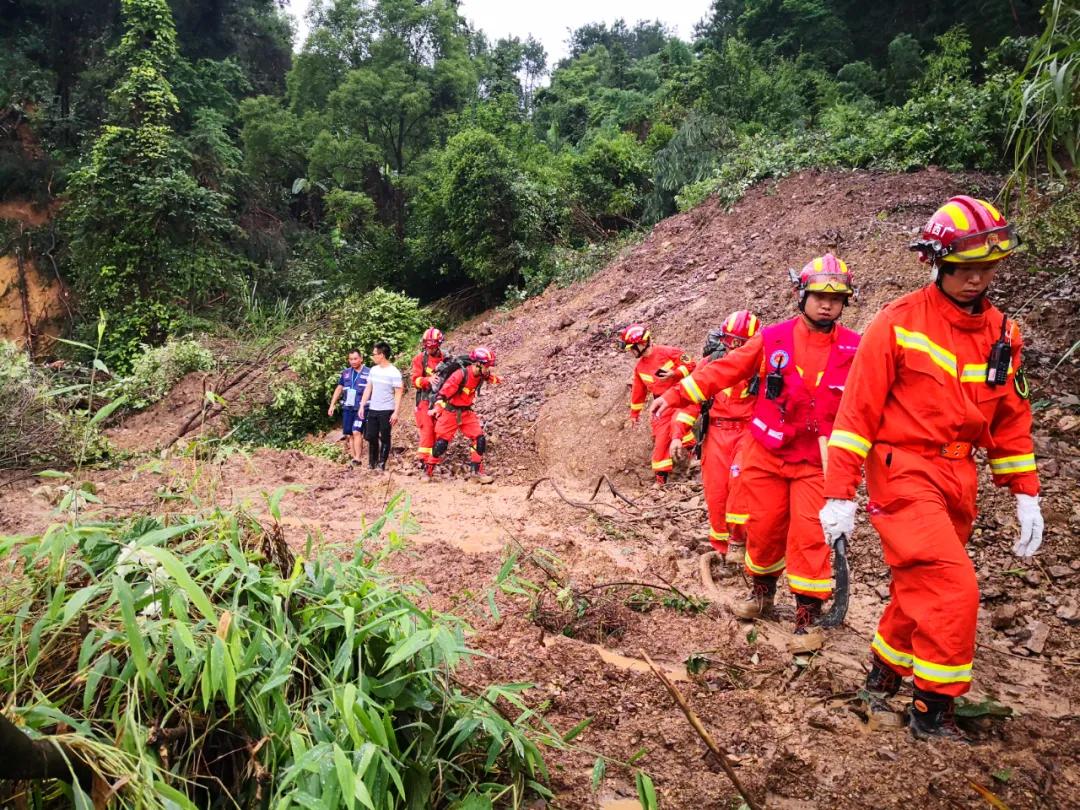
669,358
812,353
919,383
423,367
732,404
461,387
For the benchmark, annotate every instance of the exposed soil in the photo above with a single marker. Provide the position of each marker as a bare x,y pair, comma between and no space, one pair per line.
33,299
792,728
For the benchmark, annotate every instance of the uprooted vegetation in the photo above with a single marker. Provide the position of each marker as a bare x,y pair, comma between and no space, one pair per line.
197,662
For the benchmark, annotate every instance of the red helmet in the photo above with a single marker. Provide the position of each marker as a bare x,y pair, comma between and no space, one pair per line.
966,230
482,355
739,326
825,274
432,339
636,334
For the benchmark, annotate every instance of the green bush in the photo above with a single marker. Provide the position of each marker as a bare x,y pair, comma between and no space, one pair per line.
198,663
159,368
299,405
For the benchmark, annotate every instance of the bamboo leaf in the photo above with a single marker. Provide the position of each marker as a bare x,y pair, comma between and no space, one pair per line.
645,790
576,730
105,411
345,776
178,572
598,772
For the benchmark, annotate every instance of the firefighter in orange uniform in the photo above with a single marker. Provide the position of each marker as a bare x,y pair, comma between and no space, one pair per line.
658,369
453,411
937,374
728,415
801,366
423,369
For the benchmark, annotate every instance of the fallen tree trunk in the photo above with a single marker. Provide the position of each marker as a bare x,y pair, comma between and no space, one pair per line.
24,758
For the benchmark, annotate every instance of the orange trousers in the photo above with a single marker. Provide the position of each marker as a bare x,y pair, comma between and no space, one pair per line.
738,513
425,427
924,507
448,425
717,456
661,431
783,500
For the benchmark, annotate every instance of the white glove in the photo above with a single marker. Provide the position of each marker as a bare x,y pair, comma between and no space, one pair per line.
837,518
1031,525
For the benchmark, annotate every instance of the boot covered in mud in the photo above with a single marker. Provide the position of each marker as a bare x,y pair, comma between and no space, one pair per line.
808,636
660,480
736,554
428,474
759,601
932,716
882,683
478,475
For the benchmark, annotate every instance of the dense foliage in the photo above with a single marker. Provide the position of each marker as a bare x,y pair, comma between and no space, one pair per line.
209,172
299,404
194,662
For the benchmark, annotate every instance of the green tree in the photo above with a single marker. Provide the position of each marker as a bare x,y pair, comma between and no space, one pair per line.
146,238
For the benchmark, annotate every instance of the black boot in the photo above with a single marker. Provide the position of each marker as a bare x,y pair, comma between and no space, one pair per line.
882,683
932,717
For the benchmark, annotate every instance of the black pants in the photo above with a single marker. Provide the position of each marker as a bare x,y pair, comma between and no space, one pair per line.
377,433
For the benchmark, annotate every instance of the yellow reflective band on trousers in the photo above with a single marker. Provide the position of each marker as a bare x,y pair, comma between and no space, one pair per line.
851,442
735,519
763,569
891,654
812,585
424,451
1013,464
942,673
715,535
690,387
661,466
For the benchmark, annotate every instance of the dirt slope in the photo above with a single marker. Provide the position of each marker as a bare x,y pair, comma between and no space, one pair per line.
793,731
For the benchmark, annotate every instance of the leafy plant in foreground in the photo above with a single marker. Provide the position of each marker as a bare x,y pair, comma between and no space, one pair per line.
196,662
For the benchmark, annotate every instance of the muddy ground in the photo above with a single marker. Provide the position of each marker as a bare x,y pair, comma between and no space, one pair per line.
792,727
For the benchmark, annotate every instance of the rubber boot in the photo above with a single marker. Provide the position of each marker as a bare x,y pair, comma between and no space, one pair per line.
932,717
808,636
882,683
759,601
736,554
478,474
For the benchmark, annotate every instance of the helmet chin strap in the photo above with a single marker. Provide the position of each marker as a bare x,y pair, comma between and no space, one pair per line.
825,324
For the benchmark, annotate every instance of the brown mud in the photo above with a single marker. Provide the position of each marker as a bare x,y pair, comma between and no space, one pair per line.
793,727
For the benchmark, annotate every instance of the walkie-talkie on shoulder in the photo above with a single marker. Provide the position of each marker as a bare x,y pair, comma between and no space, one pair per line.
997,366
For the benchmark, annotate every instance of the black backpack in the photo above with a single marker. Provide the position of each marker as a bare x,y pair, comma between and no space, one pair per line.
442,373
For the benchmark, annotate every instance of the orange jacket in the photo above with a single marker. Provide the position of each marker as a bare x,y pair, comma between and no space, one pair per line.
422,371
740,366
669,358
919,382
734,403
461,387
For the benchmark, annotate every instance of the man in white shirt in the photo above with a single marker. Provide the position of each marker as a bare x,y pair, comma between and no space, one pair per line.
382,396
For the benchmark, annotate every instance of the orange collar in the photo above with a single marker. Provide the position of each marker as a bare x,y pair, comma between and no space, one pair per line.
961,318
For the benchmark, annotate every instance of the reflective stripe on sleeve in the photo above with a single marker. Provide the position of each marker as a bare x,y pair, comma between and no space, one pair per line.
690,387
637,406
849,441
662,466
685,418
1013,464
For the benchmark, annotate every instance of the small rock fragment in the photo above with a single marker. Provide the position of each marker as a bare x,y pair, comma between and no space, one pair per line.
1069,613
1032,577
1059,571
1003,617
1040,634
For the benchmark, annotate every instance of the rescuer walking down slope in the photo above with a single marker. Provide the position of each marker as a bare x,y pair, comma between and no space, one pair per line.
453,411
657,369
801,366
937,374
723,426
423,372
